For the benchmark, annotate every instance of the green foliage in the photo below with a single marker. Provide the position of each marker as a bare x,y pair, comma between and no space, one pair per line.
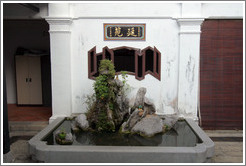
125,132
101,87
166,128
62,133
103,101
111,106
124,76
107,68
103,123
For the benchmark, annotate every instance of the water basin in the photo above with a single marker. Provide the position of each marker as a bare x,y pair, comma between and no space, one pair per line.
180,136
186,143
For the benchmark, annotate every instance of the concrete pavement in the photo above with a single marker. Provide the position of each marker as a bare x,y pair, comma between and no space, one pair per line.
228,145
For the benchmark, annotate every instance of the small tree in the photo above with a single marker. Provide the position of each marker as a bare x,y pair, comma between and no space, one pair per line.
105,114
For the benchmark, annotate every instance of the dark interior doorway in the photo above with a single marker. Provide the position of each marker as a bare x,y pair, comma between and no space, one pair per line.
27,37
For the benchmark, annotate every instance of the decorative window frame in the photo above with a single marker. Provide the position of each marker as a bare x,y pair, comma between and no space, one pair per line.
139,59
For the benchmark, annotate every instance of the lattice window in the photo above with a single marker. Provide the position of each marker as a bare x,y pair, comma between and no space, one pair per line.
135,61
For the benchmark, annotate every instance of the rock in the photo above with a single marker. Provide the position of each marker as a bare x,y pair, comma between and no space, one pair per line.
131,102
69,137
124,129
82,122
67,140
118,82
74,126
109,113
133,119
169,120
140,97
122,108
148,126
149,107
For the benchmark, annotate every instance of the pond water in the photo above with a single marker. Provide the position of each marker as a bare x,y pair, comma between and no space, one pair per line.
180,136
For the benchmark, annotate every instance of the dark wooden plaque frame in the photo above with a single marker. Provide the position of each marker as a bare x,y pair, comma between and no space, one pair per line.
125,31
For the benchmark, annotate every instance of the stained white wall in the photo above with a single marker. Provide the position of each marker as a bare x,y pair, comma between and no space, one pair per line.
88,33
174,28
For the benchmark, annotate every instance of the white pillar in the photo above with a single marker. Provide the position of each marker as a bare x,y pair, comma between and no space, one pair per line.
60,47
189,60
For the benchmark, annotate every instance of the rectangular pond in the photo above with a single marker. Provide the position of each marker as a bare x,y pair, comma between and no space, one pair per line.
185,143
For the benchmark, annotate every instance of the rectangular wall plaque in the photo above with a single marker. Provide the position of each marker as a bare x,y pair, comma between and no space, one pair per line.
124,31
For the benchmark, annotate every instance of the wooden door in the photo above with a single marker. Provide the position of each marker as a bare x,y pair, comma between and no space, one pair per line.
28,80
22,75
35,82
221,74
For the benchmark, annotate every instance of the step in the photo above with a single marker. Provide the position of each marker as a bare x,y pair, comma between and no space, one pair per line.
22,133
224,133
27,128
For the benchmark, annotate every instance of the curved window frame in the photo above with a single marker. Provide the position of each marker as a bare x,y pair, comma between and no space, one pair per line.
140,57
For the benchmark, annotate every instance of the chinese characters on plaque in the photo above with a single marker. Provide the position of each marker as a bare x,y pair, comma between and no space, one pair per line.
124,31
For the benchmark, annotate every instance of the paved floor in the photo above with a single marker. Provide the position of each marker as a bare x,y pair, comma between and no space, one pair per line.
228,145
28,113
20,152
228,152
225,151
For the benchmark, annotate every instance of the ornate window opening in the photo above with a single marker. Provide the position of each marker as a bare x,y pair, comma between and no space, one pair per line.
135,61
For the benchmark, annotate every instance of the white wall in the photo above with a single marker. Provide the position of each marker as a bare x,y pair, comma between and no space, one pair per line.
125,9
222,10
87,33
174,28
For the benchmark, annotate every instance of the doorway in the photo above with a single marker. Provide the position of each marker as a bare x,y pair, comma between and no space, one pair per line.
27,37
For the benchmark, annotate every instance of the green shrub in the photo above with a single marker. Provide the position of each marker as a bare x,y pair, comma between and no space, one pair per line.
102,104
103,123
107,68
101,87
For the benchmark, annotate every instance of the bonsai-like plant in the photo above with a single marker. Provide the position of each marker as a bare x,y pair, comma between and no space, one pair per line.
105,114
62,134
63,138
